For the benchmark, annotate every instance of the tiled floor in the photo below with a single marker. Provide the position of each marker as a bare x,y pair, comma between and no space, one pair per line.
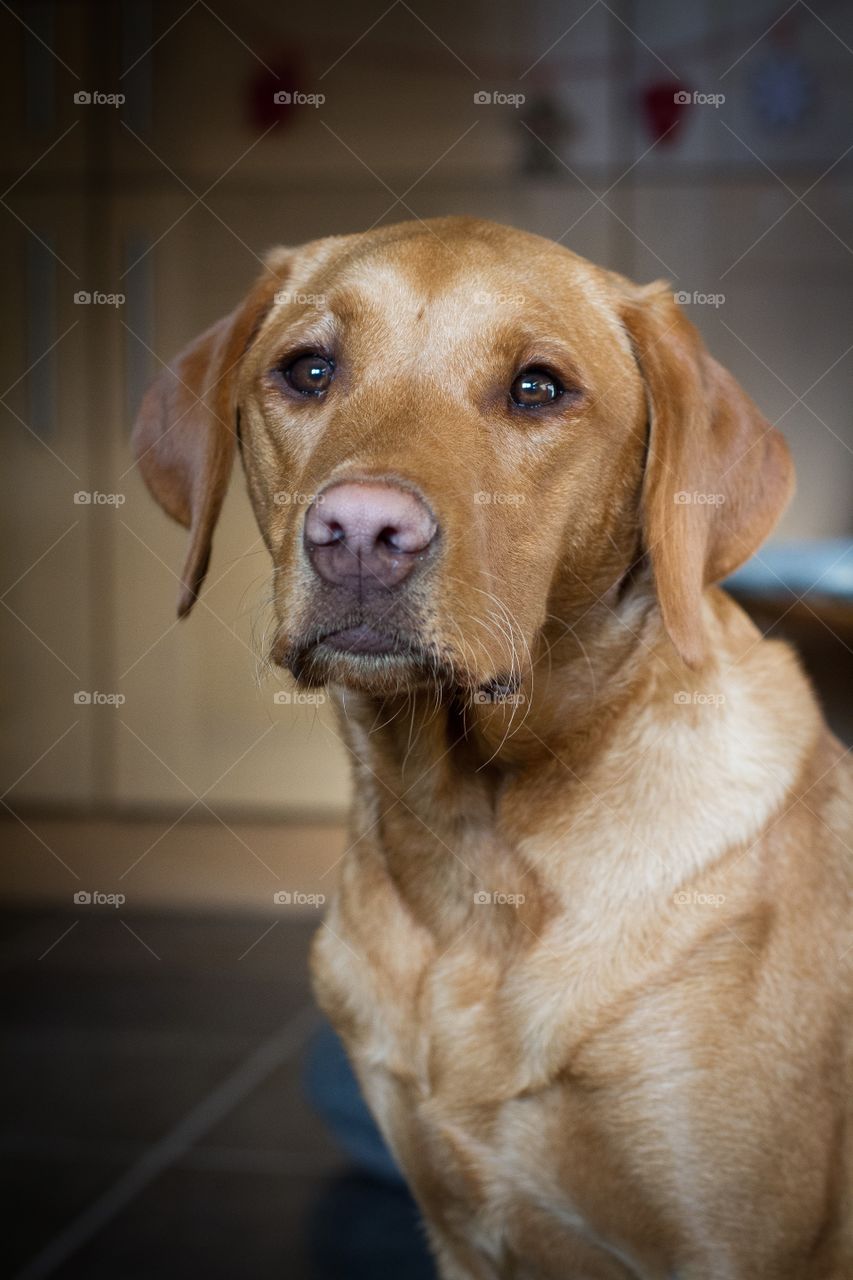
156,1121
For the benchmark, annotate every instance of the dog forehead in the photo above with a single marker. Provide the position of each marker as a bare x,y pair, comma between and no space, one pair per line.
421,288
433,266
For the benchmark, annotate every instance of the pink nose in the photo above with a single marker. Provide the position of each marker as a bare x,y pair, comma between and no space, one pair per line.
367,536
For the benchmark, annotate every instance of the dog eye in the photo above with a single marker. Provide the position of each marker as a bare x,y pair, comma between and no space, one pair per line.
534,388
310,374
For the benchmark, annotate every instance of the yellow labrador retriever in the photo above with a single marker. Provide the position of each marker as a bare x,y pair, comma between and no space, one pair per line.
592,954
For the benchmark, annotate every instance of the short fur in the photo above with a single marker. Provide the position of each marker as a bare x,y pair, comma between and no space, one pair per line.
634,1061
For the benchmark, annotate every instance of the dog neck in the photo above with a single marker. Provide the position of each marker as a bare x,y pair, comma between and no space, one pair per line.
619,766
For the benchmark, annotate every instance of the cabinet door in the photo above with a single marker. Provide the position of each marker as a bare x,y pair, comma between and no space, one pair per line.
52,596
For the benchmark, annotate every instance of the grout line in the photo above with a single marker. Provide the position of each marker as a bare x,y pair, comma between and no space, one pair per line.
175,1144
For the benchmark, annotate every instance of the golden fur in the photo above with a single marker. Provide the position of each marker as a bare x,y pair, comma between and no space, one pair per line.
634,1061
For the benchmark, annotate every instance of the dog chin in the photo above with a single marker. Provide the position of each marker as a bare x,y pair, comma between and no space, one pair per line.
357,658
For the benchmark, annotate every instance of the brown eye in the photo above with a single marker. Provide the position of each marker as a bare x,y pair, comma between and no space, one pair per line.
534,388
310,375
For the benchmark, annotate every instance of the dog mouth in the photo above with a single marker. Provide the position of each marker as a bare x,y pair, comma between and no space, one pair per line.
357,653
364,639
362,655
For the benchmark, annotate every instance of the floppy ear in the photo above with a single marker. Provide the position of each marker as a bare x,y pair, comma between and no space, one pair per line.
185,432
717,476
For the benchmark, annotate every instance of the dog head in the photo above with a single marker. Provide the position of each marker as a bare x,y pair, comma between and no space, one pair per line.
452,431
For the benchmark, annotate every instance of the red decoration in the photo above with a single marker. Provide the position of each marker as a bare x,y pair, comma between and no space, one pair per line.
664,104
269,91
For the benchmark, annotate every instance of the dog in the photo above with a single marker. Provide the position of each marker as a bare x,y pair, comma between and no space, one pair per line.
592,951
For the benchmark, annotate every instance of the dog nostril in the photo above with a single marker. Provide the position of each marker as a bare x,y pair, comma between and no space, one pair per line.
390,537
324,533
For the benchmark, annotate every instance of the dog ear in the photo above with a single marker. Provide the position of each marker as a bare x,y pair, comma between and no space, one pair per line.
185,433
717,475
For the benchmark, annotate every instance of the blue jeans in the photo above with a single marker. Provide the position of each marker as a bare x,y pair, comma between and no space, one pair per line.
333,1091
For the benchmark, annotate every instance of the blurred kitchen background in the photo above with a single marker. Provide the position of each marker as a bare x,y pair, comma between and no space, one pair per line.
151,153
